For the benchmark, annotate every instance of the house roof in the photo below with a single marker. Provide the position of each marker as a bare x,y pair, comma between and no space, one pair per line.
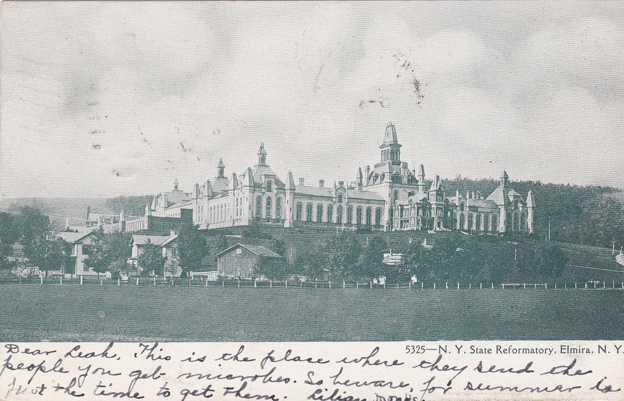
482,203
159,240
74,236
258,250
329,192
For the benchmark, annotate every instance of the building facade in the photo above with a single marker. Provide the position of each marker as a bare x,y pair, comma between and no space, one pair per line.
386,195
243,261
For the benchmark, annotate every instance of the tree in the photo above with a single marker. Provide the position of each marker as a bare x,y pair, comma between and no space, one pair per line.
5,251
340,255
311,264
191,247
117,246
151,260
551,260
33,227
371,263
97,259
273,268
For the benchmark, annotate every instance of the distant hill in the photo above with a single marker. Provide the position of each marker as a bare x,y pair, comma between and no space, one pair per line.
589,215
76,208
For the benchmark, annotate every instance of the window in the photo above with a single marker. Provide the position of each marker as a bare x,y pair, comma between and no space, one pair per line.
319,213
339,215
494,222
269,205
349,214
330,214
258,206
461,221
369,216
278,208
358,215
339,200
269,186
478,225
239,251
470,226
309,212
378,216
299,211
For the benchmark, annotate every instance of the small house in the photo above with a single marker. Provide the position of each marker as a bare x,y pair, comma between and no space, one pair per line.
82,242
244,261
168,247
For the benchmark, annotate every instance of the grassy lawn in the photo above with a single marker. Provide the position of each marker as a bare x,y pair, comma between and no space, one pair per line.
128,313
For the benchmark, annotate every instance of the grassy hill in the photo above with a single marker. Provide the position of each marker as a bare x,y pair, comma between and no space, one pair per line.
585,262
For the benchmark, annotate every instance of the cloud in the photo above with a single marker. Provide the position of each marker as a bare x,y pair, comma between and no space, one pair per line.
532,88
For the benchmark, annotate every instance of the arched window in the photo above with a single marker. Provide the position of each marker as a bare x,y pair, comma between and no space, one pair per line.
309,212
330,214
349,214
369,216
358,215
278,209
319,213
258,207
269,205
299,211
378,217
339,214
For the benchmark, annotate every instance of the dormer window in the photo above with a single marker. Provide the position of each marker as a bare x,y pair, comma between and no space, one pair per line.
269,186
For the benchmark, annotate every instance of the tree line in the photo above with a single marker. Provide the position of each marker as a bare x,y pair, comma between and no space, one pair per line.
452,258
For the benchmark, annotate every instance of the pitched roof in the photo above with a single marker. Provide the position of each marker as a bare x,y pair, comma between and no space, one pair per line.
329,192
159,240
498,195
314,191
73,236
258,250
482,203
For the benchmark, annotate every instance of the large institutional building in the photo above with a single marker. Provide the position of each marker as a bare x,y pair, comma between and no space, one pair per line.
384,196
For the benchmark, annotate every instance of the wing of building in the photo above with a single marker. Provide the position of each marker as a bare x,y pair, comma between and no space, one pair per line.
386,195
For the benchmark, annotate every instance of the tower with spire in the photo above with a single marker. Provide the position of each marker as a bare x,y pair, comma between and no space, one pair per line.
262,155
390,147
220,169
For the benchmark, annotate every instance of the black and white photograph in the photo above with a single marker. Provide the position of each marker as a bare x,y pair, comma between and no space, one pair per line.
311,172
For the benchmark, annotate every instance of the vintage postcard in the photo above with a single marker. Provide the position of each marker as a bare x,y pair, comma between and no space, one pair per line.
331,201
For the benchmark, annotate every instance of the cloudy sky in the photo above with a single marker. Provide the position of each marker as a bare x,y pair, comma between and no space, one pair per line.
122,98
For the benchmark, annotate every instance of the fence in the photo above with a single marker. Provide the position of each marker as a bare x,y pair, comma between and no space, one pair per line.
234,283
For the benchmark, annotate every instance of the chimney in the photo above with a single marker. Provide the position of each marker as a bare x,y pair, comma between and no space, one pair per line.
301,181
321,183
